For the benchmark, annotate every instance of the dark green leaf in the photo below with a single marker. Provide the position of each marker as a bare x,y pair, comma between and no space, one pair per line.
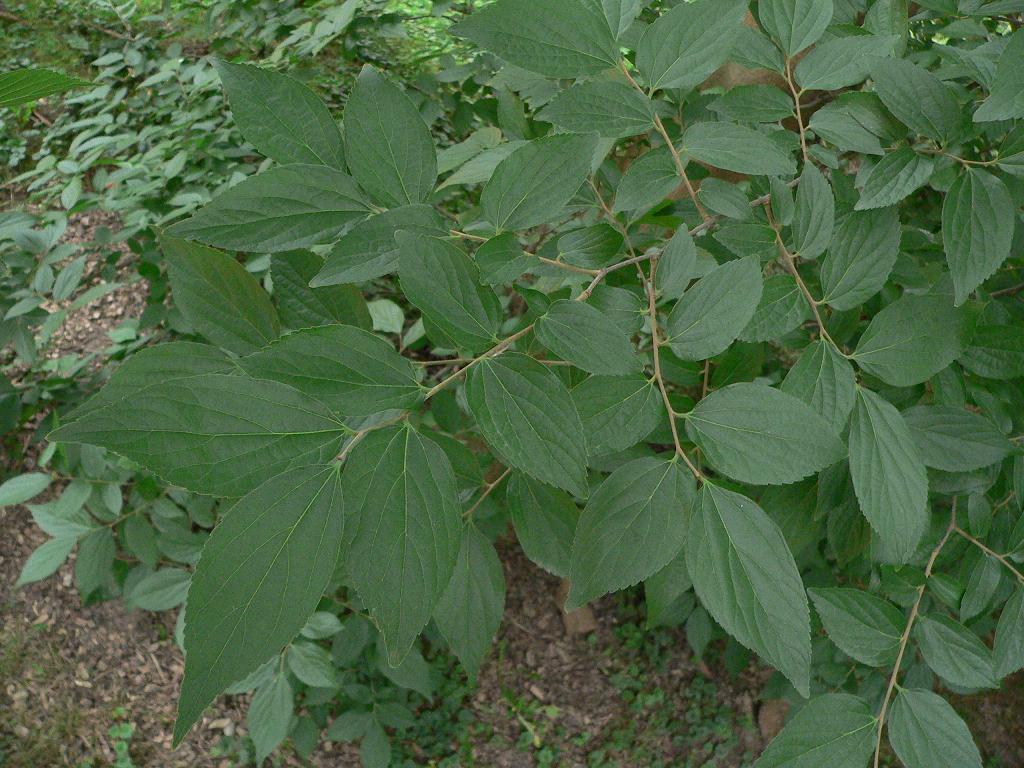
955,653
753,104
894,177
955,439
617,411
736,148
925,732
1008,653
1006,101
301,306
647,181
861,255
835,729
586,337
814,214
545,521
842,62
270,715
782,309
864,627
824,379
794,24
918,99
996,352
609,108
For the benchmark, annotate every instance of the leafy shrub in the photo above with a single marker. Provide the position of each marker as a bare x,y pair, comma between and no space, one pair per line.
735,340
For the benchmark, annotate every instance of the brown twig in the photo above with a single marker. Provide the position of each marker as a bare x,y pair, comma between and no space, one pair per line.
487,492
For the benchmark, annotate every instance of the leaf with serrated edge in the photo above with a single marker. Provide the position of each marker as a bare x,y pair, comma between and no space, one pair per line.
835,729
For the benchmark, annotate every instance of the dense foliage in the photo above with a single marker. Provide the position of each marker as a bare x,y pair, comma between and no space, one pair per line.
717,297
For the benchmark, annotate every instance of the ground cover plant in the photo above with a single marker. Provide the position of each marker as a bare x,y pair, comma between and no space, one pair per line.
718,297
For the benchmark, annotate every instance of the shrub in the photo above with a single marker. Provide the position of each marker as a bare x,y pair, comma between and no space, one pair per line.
736,342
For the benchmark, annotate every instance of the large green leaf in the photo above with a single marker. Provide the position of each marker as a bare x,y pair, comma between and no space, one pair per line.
894,177
25,86
389,148
955,653
403,531
617,411
814,214
836,729
632,526
745,576
280,116
351,371
287,207
302,306
528,417
647,181
782,309
215,434
1008,650
689,42
610,108
861,255
586,337
545,521
440,279
824,379
996,352
757,434
978,220
714,311
570,38
865,627
218,297
795,24
888,474
917,98
470,609
369,250
736,148
247,599
842,61
955,439
534,183
926,732
1006,101
912,339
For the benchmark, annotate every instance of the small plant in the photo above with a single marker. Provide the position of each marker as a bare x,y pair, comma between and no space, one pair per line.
725,343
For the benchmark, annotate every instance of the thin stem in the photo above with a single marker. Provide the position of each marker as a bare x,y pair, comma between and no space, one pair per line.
467,236
494,351
799,111
1011,291
568,267
991,553
358,436
656,354
905,638
603,273
487,492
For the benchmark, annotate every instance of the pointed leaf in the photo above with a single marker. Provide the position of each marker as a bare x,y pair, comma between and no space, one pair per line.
955,653
795,24
617,411
545,521
1008,653
736,148
301,306
842,61
824,379
612,109
814,214
955,439
861,255
925,732
895,177
865,627
918,99
587,338
1006,101
836,729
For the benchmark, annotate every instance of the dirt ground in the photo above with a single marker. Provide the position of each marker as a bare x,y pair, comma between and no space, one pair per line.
546,697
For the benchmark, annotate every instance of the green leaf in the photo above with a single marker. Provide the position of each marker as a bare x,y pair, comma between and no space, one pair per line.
996,352
925,732
912,339
443,282
753,104
528,417
814,214
955,653
534,183
894,177
351,371
865,627
502,259
824,379
1006,101
842,62
978,219
280,116
403,531
213,434
163,362
283,208
218,297
782,309
375,750
837,124
545,521
369,250
413,673
621,14
736,148
389,148
591,247
26,86
301,306
714,311
617,411
861,255
689,42
665,594
247,599
470,610
759,435
647,181
677,264
981,587
587,338
918,99
632,527
794,24
570,39
270,715
21,488
312,664
725,198
46,559
888,474
745,576
1008,653
955,439
835,729
609,108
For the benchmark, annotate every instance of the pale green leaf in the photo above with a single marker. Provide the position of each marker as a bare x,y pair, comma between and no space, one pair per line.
270,715
21,488
25,86
45,560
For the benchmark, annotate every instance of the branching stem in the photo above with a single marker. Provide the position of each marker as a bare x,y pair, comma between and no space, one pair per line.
486,492
991,553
